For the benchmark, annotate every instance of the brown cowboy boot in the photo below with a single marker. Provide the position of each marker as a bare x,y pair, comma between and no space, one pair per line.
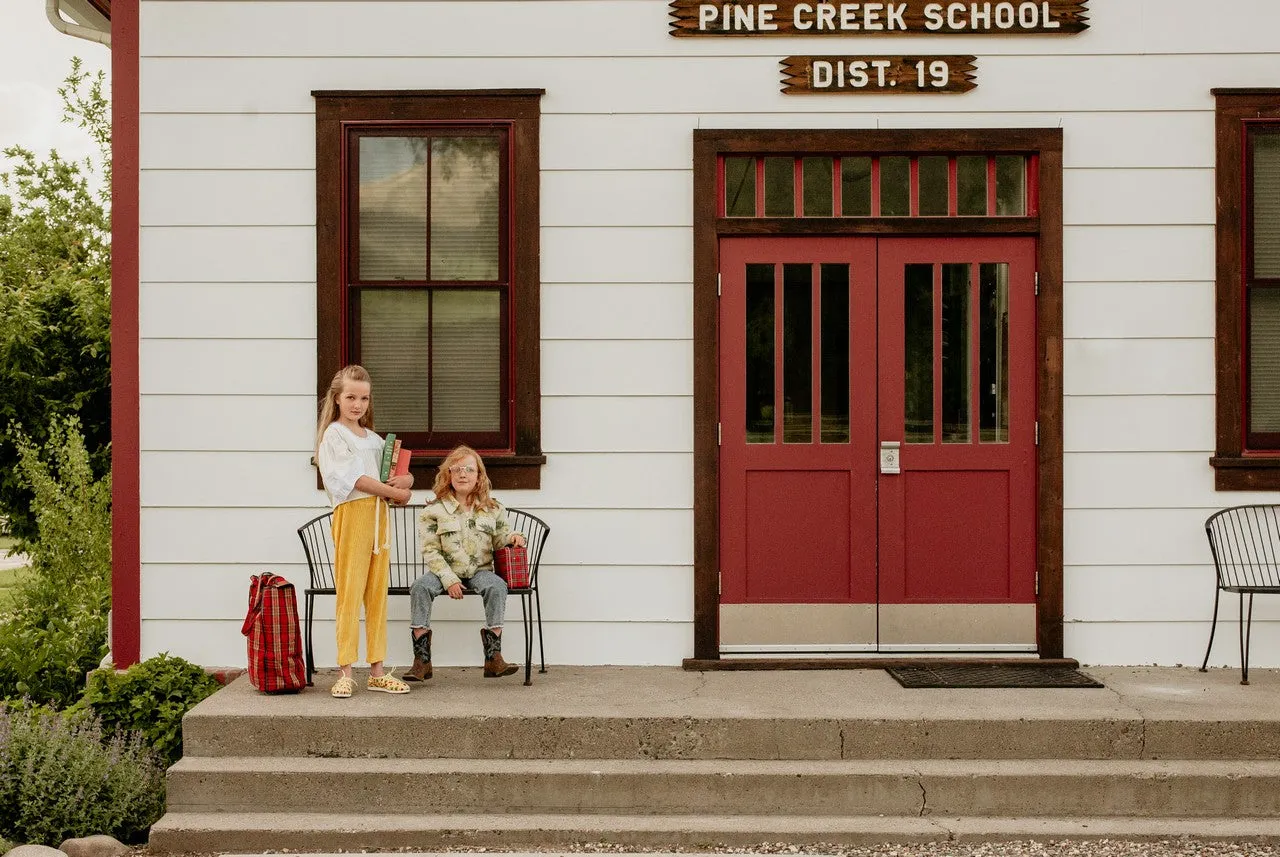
421,669
494,665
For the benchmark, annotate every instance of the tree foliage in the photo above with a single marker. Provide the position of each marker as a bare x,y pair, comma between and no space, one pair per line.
55,295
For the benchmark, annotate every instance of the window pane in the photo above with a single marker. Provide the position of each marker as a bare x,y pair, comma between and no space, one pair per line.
1264,360
994,309
393,208
933,186
797,354
465,176
918,340
895,187
855,187
779,187
1011,185
393,347
835,354
760,338
956,375
1266,205
817,187
466,350
740,187
971,181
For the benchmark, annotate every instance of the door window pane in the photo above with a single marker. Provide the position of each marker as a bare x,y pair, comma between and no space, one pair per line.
933,186
971,185
918,341
779,187
464,208
1264,360
393,208
835,354
1266,205
797,354
466,352
855,187
394,345
817,187
740,187
956,375
1011,185
994,343
760,333
895,186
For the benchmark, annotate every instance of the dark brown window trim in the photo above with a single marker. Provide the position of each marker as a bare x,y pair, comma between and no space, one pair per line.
520,466
708,146
1235,469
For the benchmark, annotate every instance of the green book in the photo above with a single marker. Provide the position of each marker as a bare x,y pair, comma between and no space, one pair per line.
384,472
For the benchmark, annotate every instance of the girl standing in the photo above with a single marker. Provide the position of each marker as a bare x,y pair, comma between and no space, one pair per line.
349,455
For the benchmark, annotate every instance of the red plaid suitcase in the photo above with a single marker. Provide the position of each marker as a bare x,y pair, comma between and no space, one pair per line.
275,643
512,565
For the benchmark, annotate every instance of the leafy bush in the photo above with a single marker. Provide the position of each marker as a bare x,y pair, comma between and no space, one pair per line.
55,294
149,698
54,628
59,778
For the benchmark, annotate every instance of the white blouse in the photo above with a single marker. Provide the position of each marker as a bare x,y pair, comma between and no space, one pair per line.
344,458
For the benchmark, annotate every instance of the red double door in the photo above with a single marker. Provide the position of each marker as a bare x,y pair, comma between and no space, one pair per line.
877,458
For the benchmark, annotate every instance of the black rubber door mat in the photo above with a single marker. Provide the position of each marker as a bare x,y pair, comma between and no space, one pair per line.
988,675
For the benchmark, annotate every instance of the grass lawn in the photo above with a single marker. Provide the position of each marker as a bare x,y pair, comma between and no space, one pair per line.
6,544
7,577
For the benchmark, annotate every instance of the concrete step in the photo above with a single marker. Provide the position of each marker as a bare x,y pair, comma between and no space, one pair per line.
387,734
182,832
1060,787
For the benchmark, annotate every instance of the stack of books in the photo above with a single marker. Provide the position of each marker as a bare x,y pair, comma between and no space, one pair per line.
395,458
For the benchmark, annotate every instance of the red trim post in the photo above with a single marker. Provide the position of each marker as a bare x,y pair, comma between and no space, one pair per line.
126,556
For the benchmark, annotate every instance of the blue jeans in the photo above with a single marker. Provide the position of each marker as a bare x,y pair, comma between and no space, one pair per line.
492,589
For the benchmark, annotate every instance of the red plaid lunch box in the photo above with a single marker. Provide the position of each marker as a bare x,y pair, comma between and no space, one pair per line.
512,565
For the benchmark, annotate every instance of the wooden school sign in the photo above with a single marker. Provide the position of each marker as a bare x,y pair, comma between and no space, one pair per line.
846,75
794,18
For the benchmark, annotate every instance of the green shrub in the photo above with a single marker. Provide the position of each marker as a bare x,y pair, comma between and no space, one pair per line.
59,778
53,630
150,699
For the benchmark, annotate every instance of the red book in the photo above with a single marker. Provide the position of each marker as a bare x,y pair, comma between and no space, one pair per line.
401,466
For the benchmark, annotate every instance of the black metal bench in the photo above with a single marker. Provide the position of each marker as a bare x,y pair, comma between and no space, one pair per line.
1245,542
407,565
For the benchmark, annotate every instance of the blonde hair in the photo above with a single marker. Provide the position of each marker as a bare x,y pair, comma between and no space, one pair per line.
443,488
329,404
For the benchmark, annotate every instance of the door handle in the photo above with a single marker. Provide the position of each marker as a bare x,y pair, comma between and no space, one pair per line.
890,456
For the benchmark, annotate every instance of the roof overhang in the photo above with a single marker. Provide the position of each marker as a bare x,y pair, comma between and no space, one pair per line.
86,19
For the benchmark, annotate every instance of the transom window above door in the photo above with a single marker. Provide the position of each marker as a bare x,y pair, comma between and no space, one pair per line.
887,185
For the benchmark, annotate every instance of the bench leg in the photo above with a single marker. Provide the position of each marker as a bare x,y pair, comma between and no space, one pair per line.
1246,630
525,616
1217,593
542,651
311,660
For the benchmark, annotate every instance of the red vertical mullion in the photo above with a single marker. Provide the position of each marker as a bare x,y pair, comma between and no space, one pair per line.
913,188
975,351
837,186
760,187
797,187
875,187
937,352
991,185
953,187
779,362
815,348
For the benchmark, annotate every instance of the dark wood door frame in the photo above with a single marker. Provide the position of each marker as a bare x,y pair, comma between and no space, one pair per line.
708,228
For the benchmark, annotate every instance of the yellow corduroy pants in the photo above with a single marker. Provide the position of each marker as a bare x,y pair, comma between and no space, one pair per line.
361,572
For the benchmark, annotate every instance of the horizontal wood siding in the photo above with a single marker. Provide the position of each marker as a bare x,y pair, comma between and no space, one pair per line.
228,317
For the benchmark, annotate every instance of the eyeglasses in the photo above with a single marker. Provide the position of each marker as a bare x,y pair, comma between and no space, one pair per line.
462,468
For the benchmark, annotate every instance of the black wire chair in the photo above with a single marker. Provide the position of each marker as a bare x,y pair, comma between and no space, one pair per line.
1245,542
407,565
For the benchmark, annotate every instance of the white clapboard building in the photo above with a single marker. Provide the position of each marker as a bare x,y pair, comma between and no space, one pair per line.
812,329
